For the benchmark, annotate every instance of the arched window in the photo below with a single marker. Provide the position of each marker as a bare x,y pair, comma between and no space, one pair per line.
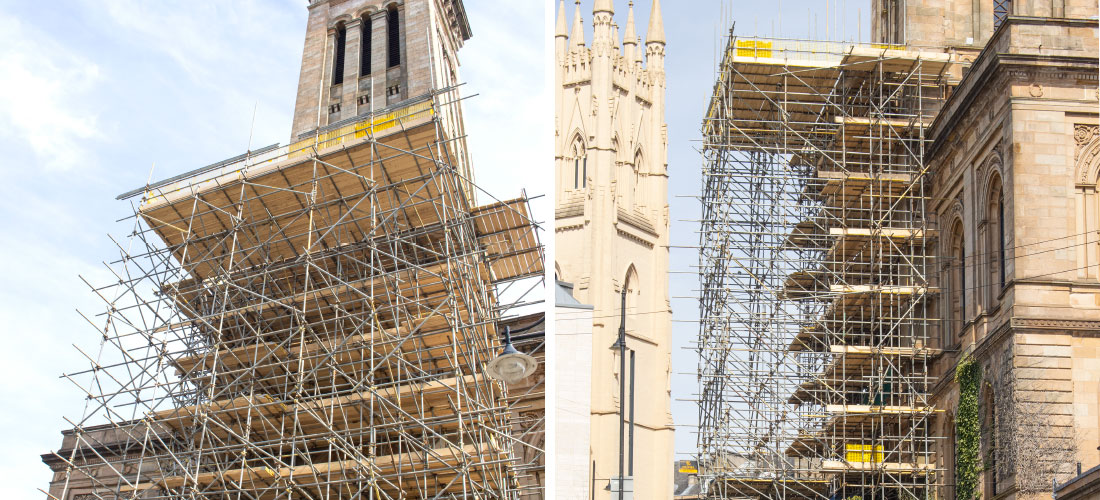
957,279
995,231
580,164
338,54
639,173
1001,10
365,46
393,38
633,293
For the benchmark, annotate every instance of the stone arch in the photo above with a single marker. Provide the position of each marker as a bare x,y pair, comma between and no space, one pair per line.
341,19
991,167
1086,155
366,12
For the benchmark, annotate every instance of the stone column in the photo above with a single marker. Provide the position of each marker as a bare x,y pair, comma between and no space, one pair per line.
378,58
327,97
351,69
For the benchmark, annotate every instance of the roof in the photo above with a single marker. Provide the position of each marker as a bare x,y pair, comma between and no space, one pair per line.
563,296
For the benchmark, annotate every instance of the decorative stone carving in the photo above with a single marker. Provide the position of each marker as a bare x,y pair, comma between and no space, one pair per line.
1087,152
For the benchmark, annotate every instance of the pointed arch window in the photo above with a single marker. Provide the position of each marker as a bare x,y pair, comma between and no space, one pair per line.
393,38
957,279
633,293
365,46
639,168
338,54
580,164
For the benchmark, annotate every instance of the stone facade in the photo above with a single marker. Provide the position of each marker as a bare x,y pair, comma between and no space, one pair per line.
611,226
963,25
1015,167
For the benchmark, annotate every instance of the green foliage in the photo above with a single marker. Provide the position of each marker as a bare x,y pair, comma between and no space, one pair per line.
967,430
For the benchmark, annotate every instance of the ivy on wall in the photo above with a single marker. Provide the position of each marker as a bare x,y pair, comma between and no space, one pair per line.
967,430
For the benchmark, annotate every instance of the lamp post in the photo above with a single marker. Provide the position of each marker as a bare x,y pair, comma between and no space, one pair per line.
620,345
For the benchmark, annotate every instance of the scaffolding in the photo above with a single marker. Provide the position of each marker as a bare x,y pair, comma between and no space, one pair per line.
817,299
312,321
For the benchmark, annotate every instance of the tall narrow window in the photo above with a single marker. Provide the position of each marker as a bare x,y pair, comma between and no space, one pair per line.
1001,10
962,282
995,239
1001,250
584,172
365,47
956,282
633,293
580,164
338,54
393,39
576,173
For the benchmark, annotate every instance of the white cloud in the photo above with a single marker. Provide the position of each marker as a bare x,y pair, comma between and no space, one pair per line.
42,87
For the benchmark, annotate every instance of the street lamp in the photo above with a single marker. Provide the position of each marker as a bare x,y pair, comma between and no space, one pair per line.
620,345
510,365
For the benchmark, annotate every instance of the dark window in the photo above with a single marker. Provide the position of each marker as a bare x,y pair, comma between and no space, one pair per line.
576,173
1001,10
365,48
393,39
338,59
1001,236
962,283
584,170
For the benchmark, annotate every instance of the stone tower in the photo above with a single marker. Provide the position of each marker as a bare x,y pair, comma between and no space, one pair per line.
611,225
370,56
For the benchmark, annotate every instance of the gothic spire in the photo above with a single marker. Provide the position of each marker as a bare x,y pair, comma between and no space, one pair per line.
603,6
562,29
577,36
656,31
630,34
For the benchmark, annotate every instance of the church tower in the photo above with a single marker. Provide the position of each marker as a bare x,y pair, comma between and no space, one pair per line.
370,56
611,226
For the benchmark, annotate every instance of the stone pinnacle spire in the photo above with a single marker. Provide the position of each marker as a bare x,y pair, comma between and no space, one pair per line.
603,6
577,36
561,27
656,31
630,34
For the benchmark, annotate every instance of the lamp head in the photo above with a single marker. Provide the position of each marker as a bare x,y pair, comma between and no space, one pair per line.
510,365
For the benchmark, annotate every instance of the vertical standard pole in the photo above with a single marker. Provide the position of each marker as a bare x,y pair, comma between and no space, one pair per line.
622,388
630,468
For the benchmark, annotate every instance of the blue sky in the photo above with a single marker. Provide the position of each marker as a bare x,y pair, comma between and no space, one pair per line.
93,93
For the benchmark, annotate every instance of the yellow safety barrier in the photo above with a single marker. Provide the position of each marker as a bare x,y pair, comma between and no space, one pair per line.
754,48
863,453
358,130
